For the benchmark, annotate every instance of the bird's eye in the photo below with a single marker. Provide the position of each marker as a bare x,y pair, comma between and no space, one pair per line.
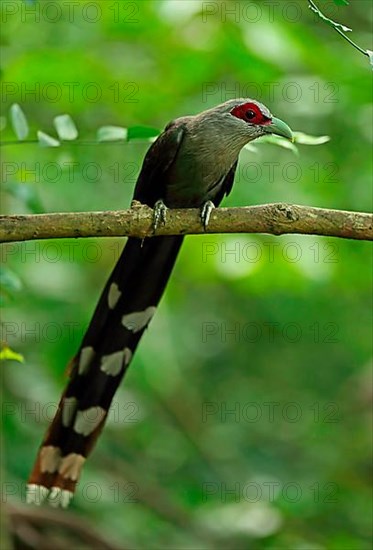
250,114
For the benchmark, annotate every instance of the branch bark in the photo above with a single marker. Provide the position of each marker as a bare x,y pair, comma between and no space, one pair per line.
275,219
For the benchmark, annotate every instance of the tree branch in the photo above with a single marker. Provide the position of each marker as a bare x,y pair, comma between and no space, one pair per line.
275,219
337,27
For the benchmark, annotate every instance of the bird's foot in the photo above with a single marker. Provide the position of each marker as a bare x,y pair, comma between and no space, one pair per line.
160,214
206,210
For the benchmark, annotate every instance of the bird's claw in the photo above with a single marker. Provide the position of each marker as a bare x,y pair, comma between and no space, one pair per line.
206,210
160,214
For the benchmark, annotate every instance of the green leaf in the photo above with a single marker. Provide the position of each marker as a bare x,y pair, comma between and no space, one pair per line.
9,280
2,123
341,2
10,283
112,133
65,127
7,353
280,142
251,148
47,141
142,132
27,194
19,122
370,54
330,22
306,139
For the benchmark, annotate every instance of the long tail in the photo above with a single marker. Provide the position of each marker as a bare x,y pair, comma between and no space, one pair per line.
123,312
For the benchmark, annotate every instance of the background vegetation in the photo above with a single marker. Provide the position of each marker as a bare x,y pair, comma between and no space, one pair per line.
244,421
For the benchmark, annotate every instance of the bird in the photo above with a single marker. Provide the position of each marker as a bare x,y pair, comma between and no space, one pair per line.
191,164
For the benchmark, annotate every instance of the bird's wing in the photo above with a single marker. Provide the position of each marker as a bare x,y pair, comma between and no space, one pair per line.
229,179
151,182
223,187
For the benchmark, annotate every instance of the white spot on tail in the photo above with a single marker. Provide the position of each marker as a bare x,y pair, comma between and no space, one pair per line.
113,295
138,319
86,356
50,458
112,364
68,410
36,494
127,356
59,497
71,466
88,420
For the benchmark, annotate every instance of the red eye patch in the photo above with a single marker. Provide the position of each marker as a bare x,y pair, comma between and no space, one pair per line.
250,112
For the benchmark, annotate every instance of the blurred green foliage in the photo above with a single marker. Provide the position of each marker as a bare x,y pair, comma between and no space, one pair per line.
276,329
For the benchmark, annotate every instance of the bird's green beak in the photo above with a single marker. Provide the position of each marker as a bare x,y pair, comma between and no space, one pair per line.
279,128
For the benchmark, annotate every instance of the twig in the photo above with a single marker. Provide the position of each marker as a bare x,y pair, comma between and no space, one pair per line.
318,12
275,219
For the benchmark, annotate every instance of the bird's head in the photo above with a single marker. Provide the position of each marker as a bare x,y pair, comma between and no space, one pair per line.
250,119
